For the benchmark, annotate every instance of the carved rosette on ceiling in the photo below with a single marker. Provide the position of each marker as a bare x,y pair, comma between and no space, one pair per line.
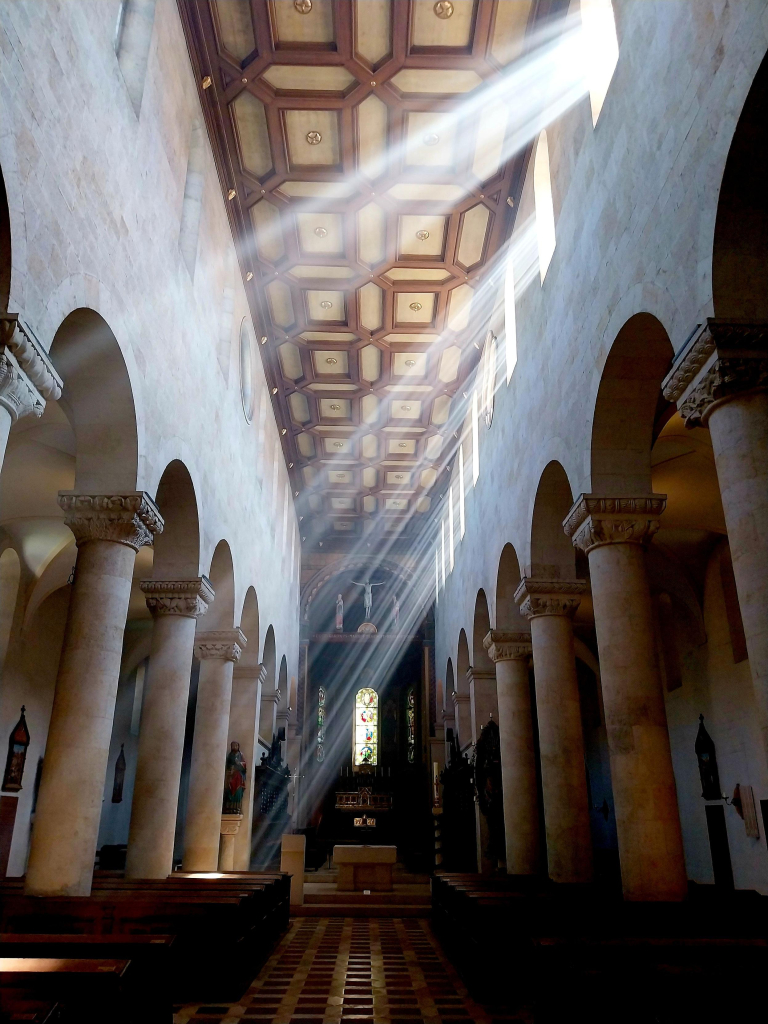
188,598
506,646
725,358
549,597
595,521
131,519
223,644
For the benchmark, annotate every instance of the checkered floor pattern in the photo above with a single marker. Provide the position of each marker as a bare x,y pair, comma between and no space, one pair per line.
329,970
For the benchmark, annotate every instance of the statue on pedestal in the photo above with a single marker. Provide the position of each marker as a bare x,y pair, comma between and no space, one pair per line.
234,780
339,614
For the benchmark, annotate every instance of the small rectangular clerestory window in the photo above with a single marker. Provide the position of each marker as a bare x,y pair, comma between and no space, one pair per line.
133,35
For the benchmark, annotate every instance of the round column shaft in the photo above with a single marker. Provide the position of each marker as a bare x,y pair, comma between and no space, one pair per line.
175,605
613,532
510,652
550,606
109,531
217,652
720,380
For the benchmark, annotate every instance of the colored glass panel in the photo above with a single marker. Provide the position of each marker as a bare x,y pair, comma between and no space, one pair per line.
366,727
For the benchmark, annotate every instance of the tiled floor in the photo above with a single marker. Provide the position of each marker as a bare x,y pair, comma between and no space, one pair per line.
329,970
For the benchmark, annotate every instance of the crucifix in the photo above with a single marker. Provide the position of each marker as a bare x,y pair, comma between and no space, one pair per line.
368,596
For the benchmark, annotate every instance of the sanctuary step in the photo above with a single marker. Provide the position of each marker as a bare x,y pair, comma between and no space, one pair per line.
323,900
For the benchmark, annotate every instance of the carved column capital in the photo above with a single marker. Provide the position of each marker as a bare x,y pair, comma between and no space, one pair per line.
223,644
271,698
18,337
594,521
549,597
262,674
505,646
459,698
189,598
721,360
17,394
131,519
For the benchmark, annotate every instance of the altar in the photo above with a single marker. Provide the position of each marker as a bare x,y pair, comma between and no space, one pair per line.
364,867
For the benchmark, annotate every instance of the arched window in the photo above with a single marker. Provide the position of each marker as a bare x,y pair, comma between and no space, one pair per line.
320,752
545,210
246,369
601,50
489,376
366,727
510,323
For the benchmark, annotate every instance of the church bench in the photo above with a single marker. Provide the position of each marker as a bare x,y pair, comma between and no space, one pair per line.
86,990
204,964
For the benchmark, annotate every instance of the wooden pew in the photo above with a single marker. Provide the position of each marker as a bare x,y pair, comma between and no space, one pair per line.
227,927
86,990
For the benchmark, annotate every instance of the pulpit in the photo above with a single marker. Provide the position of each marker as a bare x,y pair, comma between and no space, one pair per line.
364,867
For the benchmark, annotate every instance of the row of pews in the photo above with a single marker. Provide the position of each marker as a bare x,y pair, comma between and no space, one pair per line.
572,953
134,948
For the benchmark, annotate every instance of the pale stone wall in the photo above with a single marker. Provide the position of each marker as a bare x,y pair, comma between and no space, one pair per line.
635,205
95,196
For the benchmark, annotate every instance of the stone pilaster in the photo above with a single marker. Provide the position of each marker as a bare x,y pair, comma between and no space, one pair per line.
511,653
550,605
109,530
218,651
175,606
614,532
720,380
463,717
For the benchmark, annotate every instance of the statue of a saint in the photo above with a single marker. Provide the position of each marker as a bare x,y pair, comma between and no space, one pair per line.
339,613
396,610
234,780
368,596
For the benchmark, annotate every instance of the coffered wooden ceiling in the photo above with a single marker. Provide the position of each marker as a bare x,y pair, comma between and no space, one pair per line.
368,192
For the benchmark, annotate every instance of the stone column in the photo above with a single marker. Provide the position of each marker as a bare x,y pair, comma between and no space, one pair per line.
462,717
244,712
175,605
613,532
720,380
217,651
510,653
550,606
109,530
27,376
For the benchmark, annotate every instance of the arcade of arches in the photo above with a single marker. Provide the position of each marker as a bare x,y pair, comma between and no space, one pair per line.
383,508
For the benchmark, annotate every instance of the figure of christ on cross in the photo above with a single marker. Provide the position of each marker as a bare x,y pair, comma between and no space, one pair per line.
368,596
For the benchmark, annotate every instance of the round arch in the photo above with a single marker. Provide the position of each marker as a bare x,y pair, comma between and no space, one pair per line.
480,629
507,581
221,612
98,400
552,553
177,548
740,250
628,405
249,623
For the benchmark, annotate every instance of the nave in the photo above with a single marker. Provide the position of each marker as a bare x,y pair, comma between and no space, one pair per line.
328,970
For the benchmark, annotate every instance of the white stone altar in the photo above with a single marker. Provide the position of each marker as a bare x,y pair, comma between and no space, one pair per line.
364,867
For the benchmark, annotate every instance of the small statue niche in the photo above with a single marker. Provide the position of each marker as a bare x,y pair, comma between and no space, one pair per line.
707,758
18,742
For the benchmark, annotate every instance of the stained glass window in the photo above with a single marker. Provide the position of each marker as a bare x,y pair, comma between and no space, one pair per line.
411,726
366,726
320,753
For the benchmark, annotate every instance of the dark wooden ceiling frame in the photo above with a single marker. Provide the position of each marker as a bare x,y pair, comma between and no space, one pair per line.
229,80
